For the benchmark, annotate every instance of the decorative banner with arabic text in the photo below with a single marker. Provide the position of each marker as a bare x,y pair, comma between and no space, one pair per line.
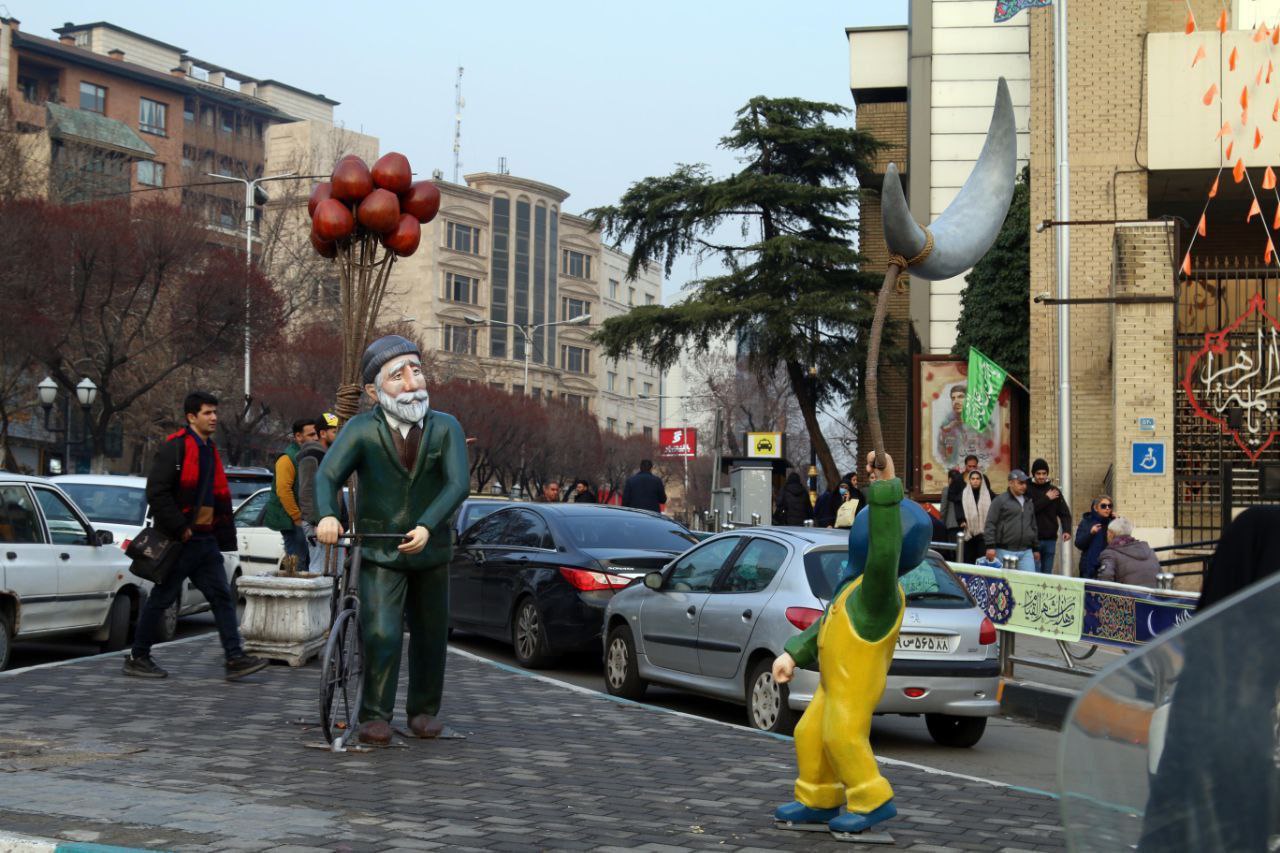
1028,602
986,378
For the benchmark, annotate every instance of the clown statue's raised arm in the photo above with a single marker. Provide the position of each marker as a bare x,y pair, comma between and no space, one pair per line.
853,646
413,474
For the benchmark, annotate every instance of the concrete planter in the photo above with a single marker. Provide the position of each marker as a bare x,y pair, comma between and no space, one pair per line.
285,619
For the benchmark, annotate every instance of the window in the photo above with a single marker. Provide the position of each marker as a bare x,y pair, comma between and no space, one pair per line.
575,264
697,571
648,433
611,424
249,513
30,89
528,530
611,381
460,340
151,116
575,359
489,530
648,389
613,288
93,98
226,217
570,308
189,111
631,427
631,296
755,568
631,387
19,522
461,288
228,122
206,116
576,401
648,299
462,238
151,173
82,39
65,527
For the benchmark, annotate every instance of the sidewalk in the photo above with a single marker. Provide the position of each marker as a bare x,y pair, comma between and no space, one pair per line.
196,763
1045,695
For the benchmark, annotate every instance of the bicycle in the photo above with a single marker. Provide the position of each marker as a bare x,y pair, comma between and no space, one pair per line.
342,667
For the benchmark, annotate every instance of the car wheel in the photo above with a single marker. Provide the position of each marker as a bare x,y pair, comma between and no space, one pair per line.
117,624
950,730
168,627
6,639
768,707
621,673
528,636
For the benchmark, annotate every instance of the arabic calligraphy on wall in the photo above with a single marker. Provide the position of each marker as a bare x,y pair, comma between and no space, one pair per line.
1234,380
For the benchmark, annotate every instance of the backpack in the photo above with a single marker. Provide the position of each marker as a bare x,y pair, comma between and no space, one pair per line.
846,512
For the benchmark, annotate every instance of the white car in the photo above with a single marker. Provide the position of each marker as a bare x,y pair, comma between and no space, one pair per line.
261,548
119,503
58,575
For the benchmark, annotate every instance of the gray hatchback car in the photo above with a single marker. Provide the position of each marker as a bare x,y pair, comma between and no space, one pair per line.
713,620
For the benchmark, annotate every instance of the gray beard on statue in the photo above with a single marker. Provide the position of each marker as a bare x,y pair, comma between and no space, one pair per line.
407,408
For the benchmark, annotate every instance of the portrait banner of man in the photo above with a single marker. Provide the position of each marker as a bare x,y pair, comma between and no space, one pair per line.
943,437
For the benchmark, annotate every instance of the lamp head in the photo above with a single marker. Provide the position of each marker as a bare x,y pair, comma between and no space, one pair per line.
48,391
86,392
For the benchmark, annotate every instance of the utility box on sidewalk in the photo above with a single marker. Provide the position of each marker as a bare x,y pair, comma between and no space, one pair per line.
751,487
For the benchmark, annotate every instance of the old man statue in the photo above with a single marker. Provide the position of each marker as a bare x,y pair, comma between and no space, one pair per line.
412,468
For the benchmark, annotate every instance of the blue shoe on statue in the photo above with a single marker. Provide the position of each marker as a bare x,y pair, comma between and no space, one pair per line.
853,822
797,812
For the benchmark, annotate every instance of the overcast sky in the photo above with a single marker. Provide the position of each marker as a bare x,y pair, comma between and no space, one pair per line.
589,97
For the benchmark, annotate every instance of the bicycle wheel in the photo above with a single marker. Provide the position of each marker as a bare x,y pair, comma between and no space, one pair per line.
342,678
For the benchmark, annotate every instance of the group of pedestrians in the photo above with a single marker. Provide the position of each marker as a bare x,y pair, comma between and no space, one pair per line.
642,490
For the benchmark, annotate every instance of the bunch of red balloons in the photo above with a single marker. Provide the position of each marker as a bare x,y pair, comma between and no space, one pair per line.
383,201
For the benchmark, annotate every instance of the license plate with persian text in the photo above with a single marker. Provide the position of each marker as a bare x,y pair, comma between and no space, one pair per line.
940,644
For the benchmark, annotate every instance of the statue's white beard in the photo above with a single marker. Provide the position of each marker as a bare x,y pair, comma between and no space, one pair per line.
407,408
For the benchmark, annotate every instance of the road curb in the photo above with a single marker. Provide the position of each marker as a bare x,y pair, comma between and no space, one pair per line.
1040,703
14,843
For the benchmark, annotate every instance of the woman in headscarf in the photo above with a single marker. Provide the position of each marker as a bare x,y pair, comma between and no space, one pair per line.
1091,535
975,501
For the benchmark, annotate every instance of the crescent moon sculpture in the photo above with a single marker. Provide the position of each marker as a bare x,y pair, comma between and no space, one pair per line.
954,243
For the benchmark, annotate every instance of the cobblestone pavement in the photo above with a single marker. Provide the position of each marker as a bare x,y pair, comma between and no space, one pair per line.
196,763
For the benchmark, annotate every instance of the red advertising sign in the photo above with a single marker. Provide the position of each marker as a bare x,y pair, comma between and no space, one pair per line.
678,441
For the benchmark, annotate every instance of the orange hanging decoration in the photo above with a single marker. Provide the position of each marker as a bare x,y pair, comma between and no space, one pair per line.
1237,172
1231,60
1186,264
1244,118
1202,229
1275,111
1225,130
1230,145
1275,222
1266,256
1258,34
1268,179
1200,54
1210,94
1257,138
1254,210
1213,190
1257,80
1244,98
1271,66
1222,21
1191,23
1275,36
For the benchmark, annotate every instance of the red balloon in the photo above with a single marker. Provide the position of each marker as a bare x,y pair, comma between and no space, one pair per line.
351,180
404,240
323,190
392,172
379,212
333,220
324,248
422,200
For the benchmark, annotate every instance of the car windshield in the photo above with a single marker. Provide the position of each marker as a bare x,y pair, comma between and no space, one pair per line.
930,584
109,504
626,530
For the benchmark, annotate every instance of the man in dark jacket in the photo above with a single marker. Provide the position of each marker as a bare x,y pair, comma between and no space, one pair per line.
1011,525
1053,516
644,489
793,507
191,502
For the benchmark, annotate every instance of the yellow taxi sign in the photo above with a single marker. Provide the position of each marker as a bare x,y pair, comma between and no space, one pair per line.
764,445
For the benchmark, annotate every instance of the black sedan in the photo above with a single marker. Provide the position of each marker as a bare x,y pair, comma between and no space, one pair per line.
540,575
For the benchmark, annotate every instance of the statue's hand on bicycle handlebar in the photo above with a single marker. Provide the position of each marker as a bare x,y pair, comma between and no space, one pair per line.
329,531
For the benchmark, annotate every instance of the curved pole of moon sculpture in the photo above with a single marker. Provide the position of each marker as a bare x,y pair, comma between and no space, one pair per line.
955,242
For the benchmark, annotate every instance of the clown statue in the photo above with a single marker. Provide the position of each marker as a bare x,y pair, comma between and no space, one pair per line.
413,474
853,646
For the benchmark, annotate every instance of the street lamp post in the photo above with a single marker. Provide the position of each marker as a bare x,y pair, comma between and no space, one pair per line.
251,195
86,394
528,331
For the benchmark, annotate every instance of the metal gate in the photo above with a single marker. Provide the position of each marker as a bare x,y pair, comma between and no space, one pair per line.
1207,461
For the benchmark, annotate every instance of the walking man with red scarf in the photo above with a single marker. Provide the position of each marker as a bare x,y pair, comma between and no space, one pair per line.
190,501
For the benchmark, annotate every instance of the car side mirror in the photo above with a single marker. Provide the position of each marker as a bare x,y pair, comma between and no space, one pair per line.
103,537
653,580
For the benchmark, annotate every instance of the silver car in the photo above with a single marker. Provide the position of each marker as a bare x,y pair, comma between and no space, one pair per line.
713,620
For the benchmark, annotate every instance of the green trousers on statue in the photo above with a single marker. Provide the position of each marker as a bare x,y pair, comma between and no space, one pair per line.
389,599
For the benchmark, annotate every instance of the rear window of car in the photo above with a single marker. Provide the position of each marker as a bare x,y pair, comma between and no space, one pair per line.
930,584
242,486
474,512
625,530
109,504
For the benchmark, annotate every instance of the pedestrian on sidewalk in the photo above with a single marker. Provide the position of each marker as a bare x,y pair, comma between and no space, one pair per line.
975,506
550,494
952,510
1053,516
308,460
644,489
1011,529
191,502
1091,535
793,507
841,504
582,493
282,512
1125,559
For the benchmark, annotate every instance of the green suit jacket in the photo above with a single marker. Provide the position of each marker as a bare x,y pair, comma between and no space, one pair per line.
391,499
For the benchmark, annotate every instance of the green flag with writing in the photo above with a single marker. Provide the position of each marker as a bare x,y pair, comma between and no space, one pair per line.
986,378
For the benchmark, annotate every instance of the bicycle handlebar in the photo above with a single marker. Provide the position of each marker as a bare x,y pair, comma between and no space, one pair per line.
347,538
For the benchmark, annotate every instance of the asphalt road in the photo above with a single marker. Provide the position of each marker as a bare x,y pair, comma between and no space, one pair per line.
1011,751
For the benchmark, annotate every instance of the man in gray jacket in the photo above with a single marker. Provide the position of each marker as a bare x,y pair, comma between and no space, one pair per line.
1011,529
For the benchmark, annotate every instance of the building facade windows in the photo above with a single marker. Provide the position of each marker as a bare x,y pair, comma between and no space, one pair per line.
577,401
648,299
462,238
611,424
228,122
575,359
613,288
151,173
93,98
570,308
189,110
648,389
648,433
631,387
151,116
575,264
460,339
30,89
631,296
611,381
498,271
631,427
520,312
461,288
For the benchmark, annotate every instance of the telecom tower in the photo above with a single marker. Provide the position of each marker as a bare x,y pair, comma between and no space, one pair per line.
458,104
